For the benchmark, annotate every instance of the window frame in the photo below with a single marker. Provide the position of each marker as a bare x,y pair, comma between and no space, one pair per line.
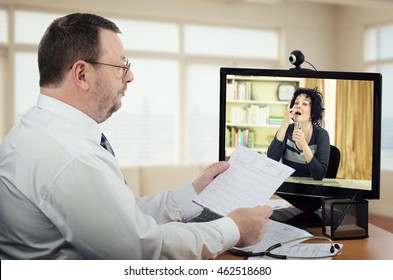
182,124
373,63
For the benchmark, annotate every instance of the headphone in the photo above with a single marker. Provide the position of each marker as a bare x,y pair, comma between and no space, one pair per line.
335,250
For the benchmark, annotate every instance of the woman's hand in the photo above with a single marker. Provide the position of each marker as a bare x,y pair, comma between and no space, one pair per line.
299,138
289,113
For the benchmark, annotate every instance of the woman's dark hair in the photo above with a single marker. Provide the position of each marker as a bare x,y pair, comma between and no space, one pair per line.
317,110
68,39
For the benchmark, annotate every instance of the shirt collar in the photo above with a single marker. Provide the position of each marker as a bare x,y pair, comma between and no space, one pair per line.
77,117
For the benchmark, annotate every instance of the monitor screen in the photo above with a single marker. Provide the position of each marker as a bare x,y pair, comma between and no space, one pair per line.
253,103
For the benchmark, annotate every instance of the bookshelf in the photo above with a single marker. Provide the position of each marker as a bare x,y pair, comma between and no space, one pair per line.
253,111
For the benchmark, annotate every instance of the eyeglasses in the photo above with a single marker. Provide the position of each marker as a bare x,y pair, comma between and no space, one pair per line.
125,68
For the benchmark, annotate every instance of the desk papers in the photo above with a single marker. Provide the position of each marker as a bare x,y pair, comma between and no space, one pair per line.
319,251
332,182
250,181
278,233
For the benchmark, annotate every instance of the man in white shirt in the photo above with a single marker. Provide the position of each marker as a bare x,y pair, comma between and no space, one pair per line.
62,195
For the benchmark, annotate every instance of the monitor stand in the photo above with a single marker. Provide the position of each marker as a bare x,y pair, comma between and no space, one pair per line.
298,218
306,211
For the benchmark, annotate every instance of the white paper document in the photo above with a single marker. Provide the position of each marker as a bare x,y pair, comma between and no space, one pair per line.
250,181
302,251
277,233
278,203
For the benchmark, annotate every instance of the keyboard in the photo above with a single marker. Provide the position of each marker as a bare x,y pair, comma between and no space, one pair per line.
206,216
329,183
311,181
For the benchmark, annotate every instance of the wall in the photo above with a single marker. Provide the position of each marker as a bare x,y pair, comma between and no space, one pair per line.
304,26
351,23
331,37
2,96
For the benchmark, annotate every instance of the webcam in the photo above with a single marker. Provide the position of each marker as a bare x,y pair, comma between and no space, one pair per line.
296,58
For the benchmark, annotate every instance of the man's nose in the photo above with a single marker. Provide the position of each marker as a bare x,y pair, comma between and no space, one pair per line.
129,77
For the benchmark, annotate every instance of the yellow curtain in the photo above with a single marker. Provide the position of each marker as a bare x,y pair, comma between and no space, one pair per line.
354,116
315,83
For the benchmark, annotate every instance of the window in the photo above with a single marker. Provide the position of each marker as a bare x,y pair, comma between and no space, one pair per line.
3,90
149,36
30,26
233,46
3,26
144,130
225,41
170,111
379,58
203,113
26,92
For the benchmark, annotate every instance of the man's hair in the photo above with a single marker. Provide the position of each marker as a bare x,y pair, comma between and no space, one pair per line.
317,110
68,39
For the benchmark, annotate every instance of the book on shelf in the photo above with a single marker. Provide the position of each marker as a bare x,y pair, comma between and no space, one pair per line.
238,90
275,120
252,114
244,137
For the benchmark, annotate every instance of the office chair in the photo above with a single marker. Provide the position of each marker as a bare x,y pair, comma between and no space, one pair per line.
334,162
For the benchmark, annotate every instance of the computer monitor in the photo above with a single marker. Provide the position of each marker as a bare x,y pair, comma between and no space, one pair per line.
252,106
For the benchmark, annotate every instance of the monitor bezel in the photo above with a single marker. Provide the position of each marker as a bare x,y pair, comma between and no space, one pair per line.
318,190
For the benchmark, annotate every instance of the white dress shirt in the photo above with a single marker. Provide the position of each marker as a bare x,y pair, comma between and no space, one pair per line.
62,196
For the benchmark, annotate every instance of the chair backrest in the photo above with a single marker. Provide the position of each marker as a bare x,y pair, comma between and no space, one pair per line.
334,162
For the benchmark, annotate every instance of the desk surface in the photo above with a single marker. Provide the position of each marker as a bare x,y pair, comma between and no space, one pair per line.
378,246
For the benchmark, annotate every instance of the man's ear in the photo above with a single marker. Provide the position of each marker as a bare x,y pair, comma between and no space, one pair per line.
80,73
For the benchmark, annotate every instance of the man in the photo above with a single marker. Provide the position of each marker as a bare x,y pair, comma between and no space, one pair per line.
62,195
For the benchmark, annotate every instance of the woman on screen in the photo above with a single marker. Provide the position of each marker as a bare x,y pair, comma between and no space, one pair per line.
301,142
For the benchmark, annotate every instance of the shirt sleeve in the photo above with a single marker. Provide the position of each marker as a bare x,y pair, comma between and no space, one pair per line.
275,149
100,217
174,205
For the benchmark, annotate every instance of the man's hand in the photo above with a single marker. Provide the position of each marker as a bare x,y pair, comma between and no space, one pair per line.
208,175
252,224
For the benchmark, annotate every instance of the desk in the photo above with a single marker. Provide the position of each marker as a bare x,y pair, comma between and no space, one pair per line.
378,246
333,182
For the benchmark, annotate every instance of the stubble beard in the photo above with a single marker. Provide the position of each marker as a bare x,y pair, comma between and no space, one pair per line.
106,104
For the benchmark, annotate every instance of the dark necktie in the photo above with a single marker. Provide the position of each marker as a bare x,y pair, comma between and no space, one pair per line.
105,144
